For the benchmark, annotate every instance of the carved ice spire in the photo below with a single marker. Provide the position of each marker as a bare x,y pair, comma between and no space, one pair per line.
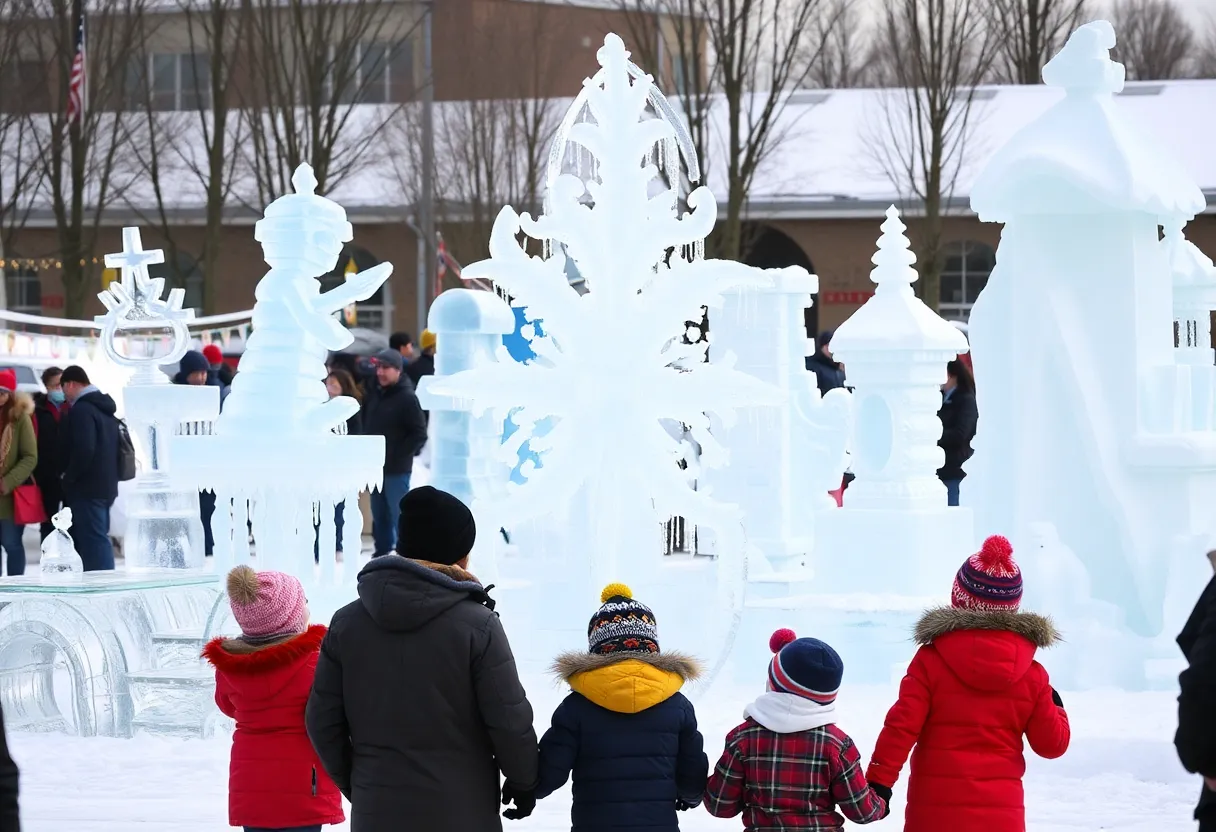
1083,66
893,262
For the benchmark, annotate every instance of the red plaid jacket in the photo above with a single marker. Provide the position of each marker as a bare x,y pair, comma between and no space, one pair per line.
791,781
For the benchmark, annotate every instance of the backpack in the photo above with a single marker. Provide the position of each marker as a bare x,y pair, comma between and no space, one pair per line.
126,453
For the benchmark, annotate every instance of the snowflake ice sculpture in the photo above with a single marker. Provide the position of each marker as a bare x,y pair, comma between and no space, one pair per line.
612,368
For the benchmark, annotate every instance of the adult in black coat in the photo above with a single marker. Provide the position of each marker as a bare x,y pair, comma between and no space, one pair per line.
10,820
1196,737
50,410
90,476
959,419
417,706
828,375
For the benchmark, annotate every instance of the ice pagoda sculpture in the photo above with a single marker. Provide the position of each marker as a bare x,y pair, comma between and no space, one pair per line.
276,446
612,369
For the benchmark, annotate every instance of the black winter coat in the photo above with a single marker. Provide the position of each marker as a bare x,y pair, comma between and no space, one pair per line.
423,365
828,374
10,820
629,739
394,413
417,706
1196,737
52,451
91,457
959,418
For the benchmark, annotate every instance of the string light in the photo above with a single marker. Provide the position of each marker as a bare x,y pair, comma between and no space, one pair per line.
43,262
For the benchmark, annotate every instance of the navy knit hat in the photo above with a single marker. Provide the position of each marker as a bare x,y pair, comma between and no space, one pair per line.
193,362
622,625
989,580
805,667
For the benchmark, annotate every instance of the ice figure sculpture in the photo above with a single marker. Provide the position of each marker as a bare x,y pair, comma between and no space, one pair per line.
59,556
895,349
275,445
163,525
612,368
782,468
1092,423
469,327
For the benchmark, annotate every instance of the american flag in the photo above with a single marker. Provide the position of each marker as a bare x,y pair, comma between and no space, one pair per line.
76,80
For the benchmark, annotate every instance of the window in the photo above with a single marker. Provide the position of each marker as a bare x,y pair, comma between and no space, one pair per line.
377,74
24,290
964,275
169,82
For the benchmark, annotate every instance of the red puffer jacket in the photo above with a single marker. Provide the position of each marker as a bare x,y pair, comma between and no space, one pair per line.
972,691
275,778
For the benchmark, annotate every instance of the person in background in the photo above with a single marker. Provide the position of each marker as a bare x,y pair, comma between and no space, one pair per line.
1195,740
403,344
959,418
340,383
262,680
18,458
194,370
424,364
828,374
90,476
391,410
215,360
10,816
49,411
417,708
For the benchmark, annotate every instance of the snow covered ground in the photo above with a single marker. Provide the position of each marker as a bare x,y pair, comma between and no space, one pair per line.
1120,774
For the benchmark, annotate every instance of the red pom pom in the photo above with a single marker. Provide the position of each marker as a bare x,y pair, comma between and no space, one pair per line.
781,638
997,553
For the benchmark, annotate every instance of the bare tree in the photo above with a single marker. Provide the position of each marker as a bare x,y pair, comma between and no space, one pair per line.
311,63
936,52
1029,33
1205,56
83,162
1155,40
847,56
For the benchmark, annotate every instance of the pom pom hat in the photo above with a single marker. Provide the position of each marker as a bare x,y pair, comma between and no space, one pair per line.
267,603
8,381
213,354
622,625
989,580
805,667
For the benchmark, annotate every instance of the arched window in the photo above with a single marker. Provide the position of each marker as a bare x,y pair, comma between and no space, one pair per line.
187,275
770,248
964,275
23,289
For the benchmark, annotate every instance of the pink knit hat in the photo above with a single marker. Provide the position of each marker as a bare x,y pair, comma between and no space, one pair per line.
267,603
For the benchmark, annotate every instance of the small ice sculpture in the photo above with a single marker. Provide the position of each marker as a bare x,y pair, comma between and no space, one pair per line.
613,369
59,558
163,525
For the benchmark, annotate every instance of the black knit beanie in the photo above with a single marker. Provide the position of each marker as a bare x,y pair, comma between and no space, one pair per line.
435,527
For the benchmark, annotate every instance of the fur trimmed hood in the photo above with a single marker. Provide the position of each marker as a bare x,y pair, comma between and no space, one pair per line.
937,622
627,683
568,665
236,656
23,405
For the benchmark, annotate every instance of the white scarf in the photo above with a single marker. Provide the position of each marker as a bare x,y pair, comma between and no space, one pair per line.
787,713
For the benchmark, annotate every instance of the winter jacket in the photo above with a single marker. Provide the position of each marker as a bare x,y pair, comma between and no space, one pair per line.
275,779
10,820
91,469
50,420
959,417
19,462
417,704
423,365
630,739
394,413
1196,737
972,692
828,374
789,767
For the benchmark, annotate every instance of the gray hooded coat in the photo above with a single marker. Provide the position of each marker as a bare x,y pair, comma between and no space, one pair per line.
417,705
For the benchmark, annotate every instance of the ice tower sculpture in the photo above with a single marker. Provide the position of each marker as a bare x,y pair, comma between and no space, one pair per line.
1092,422
894,532
276,445
163,525
613,367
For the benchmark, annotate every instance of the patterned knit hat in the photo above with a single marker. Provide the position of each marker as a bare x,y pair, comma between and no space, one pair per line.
805,667
989,580
267,603
622,625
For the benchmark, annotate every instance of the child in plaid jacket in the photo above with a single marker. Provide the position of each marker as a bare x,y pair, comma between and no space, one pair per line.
788,766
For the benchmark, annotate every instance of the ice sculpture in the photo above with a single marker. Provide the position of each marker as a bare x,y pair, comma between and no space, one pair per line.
275,445
469,327
612,368
895,514
59,556
163,525
1092,422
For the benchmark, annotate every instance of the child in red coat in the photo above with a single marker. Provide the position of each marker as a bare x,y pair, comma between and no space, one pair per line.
972,692
262,680
788,766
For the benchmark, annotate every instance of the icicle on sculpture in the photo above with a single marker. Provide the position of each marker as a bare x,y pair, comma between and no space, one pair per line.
612,369
277,444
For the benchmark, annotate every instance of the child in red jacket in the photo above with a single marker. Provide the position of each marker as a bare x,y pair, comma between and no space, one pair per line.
972,692
788,766
262,680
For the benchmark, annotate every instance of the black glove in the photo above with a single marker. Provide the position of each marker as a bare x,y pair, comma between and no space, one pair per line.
683,805
1055,697
885,793
525,802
